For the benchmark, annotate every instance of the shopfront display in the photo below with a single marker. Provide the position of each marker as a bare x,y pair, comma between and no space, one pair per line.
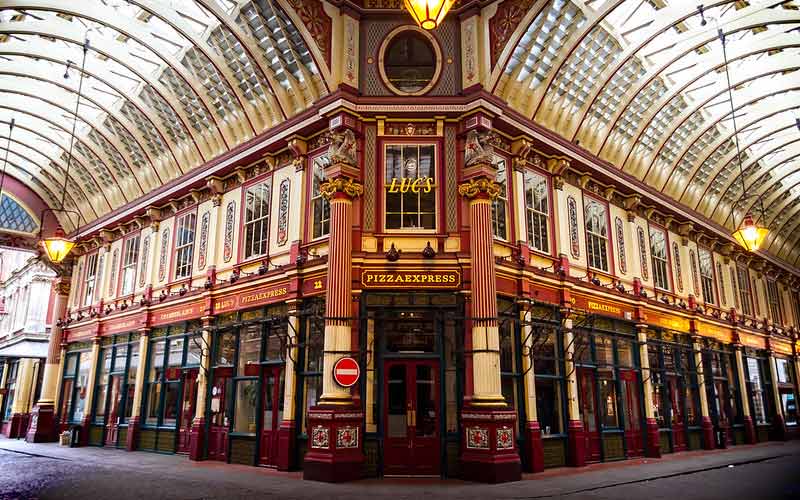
722,389
114,389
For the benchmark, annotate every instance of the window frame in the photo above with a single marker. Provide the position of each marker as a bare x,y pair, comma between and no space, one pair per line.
703,278
437,184
177,248
548,217
123,266
503,200
588,199
667,262
265,179
773,297
314,163
89,282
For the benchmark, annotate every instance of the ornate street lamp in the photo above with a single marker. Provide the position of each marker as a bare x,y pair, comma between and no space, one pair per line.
428,13
749,235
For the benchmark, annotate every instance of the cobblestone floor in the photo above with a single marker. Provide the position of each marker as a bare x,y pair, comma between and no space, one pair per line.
27,471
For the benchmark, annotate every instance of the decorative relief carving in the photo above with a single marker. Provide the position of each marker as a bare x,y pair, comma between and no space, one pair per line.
451,188
409,128
574,239
478,149
470,53
317,22
343,148
695,281
143,262
347,186
320,437
162,259
474,187
502,25
620,230
643,253
347,437
676,257
227,248
112,282
721,280
350,51
283,212
202,248
319,140
505,439
477,438
368,206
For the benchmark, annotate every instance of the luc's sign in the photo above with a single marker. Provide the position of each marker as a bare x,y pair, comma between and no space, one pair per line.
413,185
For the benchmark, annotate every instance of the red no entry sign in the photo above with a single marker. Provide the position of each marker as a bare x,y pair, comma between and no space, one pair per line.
346,372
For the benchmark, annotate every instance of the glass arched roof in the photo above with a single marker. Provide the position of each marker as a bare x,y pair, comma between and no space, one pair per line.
168,85
642,84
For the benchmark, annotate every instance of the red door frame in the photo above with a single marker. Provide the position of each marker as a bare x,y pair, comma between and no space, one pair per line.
272,395
634,439
588,395
112,412
218,424
677,413
189,395
414,454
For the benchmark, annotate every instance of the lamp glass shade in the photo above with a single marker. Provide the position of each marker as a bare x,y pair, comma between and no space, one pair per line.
749,235
57,248
428,14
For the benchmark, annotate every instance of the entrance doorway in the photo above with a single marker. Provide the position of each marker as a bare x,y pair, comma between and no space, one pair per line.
218,426
188,404
591,426
634,442
412,445
678,414
272,414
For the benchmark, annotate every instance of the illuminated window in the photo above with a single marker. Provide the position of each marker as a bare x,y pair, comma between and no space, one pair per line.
130,256
537,211
184,245
320,206
596,234
256,219
410,186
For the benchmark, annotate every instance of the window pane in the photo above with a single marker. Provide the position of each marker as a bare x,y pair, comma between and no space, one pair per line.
249,350
171,401
548,405
244,417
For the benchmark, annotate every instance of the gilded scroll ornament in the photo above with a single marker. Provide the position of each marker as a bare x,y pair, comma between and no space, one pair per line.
341,185
474,187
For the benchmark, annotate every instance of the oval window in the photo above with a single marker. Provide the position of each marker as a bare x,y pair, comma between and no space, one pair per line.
410,61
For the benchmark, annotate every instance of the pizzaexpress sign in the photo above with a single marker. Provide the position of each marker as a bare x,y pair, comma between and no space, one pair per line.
411,278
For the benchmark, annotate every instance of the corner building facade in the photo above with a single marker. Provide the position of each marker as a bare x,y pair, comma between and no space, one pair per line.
513,302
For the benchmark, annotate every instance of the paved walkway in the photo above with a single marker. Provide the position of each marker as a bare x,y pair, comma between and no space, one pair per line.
767,470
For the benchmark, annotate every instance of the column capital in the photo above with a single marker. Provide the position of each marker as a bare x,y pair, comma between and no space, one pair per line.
480,187
346,186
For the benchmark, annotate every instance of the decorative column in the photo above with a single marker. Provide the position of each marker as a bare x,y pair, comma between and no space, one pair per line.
706,427
335,424
533,433
44,422
652,443
576,438
198,429
287,431
749,428
778,421
488,445
134,422
20,410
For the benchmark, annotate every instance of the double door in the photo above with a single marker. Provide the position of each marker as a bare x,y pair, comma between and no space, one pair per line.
113,409
631,388
272,413
412,420
677,413
187,411
221,387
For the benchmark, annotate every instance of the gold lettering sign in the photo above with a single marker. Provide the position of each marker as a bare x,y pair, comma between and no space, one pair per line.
673,323
252,298
411,279
405,184
602,307
177,314
597,306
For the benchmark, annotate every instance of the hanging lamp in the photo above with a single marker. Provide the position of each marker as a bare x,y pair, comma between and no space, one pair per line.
428,14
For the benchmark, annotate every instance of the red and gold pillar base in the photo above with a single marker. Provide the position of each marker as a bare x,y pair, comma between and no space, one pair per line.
576,444
489,451
43,427
286,445
196,439
749,430
653,443
18,425
335,444
778,430
132,436
707,430
534,448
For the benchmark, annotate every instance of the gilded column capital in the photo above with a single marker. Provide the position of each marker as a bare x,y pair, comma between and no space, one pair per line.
62,286
349,187
473,188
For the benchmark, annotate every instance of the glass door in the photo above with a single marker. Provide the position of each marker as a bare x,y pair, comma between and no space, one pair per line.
218,424
677,413
112,413
272,413
412,439
634,442
589,415
187,409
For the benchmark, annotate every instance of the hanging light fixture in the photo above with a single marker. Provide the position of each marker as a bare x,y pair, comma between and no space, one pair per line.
57,246
749,233
428,14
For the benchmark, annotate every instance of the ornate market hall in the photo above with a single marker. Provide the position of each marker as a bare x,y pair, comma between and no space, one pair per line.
479,240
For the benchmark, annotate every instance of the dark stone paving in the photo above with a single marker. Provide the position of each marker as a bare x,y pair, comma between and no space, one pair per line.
47,471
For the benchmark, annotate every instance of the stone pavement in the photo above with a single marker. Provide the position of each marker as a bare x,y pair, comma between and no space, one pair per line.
767,470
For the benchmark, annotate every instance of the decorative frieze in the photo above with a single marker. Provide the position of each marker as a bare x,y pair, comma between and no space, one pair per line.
642,253
202,246
676,257
144,259
112,281
347,437
505,438
227,247
283,212
503,24
572,216
341,185
320,437
619,227
162,258
478,438
695,280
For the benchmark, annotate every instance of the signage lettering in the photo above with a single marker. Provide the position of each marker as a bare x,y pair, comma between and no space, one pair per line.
596,306
253,298
410,279
424,184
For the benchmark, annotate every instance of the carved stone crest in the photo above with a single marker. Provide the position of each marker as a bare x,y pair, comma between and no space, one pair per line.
478,149
343,148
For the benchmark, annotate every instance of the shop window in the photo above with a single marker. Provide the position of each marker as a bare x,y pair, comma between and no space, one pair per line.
755,384
500,204
68,386
537,211
320,206
596,234
226,349
659,258
786,391
745,293
256,219
90,279
657,383
410,186
11,389
548,375
102,385
608,398
508,352
312,366
773,298
130,257
707,275
167,361
116,380
82,382
184,244
130,380
244,416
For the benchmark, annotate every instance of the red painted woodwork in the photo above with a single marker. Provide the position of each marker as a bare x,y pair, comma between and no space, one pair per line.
112,411
534,448
707,429
634,443
576,443
488,445
132,437
412,442
43,426
749,430
218,428
677,404
589,415
272,414
188,404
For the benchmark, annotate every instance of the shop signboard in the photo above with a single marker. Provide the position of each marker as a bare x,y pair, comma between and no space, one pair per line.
251,298
602,307
123,324
177,313
669,322
437,279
